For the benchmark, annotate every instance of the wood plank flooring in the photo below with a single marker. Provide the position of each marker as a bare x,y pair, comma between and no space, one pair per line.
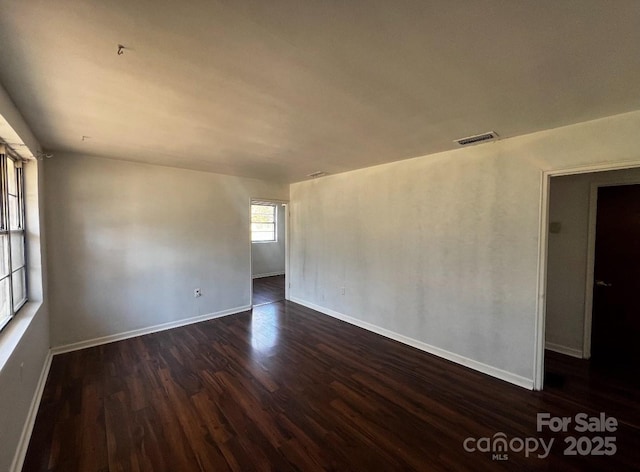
268,289
285,388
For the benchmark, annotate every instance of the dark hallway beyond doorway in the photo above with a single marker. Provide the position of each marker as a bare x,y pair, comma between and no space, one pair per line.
612,389
616,306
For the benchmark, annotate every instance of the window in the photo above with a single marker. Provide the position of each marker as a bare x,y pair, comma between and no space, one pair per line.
263,222
13,283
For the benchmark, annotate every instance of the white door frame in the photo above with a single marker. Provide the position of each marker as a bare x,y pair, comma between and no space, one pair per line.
539,340
284,203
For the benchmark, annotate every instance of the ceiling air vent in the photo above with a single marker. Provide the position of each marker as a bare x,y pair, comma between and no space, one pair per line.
478,138
315,175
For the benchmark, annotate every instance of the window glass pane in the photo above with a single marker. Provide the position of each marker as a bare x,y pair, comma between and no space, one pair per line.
267,227
12,261
14,208
4,255
5,304
11,176
262,219
263,213
17,250
263,222
257,208
19,288
261,236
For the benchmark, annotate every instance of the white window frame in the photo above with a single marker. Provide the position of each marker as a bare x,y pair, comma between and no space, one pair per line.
274,206
6,230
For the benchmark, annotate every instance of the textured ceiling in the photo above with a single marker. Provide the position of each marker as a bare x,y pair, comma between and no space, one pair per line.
280,89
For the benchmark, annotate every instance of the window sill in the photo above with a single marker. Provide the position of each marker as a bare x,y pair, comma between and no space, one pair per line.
14,331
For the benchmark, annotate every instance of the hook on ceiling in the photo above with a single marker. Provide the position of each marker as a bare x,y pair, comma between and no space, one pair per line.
121,49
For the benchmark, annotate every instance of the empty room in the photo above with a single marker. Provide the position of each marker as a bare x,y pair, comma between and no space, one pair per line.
315,235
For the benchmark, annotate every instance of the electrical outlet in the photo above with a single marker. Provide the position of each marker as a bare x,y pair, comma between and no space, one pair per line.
342,290
197,293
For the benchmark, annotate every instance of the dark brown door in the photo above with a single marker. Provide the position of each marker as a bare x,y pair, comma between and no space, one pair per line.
615,338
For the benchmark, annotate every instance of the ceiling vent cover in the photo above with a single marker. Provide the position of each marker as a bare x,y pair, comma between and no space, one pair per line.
478,138
315,175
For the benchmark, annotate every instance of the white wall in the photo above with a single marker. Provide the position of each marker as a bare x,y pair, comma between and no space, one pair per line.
567,255
19,381
24,343
268,258
129,243
13,128
443,249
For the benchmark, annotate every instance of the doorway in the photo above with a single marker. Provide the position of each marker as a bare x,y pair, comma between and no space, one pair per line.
592,273
269,259
592,318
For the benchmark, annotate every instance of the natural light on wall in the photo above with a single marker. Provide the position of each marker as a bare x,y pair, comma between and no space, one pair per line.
263,222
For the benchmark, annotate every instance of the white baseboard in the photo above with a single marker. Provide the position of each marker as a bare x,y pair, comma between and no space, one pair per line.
569,351
458,359
148,330
25,437
268,274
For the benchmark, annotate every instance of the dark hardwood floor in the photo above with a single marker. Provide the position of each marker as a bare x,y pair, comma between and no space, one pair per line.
612,388
285,388
268,289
